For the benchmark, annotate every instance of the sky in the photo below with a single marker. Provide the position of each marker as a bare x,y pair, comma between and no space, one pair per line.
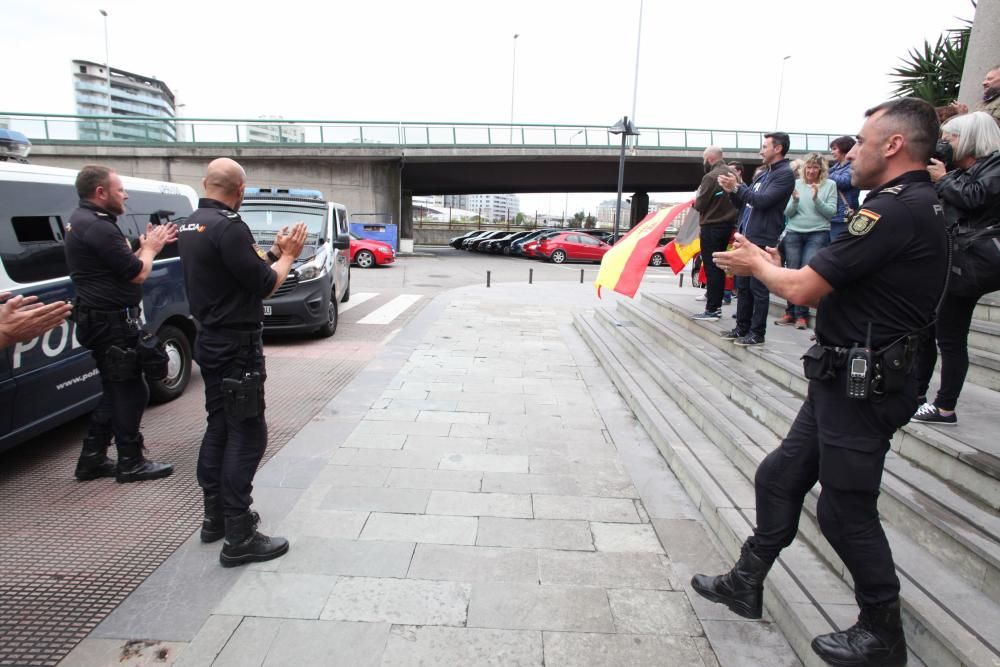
716,65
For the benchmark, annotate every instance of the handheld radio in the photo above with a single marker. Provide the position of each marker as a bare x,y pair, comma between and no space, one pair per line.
859,368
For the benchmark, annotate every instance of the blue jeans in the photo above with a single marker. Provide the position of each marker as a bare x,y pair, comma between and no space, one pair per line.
799,250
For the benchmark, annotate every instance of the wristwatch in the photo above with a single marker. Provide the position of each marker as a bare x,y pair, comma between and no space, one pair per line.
271,256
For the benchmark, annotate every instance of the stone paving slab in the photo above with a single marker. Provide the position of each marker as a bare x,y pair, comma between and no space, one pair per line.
460,503
564,649
435,480
275,594
474,564
533,607
620,510
359,558
402,601
607,570
625,538
449,647
534,534
556,484
376,499
420,528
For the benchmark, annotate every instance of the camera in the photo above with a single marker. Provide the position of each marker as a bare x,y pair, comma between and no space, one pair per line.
944,153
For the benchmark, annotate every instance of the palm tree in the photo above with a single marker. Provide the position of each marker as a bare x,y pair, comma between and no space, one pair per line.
934,73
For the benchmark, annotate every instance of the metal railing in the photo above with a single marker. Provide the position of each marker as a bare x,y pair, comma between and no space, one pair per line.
61,128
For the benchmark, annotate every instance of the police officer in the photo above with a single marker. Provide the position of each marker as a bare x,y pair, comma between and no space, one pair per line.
877,286
227,276
108,275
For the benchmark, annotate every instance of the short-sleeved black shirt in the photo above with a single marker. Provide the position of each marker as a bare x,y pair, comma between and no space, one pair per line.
225,273
101,261
887,268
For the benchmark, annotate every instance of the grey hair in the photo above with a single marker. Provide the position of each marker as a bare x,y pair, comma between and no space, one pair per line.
977,132
713,150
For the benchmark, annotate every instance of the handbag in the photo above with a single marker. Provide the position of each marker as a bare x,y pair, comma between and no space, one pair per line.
848,211
975,263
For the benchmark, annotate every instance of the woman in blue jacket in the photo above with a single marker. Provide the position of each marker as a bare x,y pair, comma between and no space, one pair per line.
847,194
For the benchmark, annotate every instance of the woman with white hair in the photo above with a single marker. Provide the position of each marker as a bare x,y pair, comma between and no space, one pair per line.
970,193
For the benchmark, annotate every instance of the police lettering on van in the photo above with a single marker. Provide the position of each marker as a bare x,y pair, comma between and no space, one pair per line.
52,379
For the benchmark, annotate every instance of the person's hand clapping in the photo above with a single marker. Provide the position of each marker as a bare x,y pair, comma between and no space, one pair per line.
292,242
727,182
23,317
741,260
157,236
815,189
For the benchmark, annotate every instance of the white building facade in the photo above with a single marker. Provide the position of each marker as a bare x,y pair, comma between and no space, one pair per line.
128,97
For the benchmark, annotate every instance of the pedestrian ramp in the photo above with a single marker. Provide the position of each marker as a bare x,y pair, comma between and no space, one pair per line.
715,410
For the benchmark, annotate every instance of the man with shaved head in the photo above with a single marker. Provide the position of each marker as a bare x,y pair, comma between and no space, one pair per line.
718,217
227,277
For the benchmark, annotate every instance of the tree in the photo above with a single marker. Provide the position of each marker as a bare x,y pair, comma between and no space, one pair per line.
935,72
519,218
590,222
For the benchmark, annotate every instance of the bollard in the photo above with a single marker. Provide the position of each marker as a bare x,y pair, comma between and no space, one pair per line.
581,276
531,275
681,283
487,278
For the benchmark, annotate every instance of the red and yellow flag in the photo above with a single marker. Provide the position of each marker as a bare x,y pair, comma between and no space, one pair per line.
686,245
623,266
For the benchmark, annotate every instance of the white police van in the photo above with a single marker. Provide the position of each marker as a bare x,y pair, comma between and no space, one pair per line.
52,379
307,301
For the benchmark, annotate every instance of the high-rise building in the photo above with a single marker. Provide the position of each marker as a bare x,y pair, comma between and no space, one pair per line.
123,94
275,133
495,207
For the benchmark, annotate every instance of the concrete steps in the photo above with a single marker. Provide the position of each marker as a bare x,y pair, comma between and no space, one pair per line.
742,399
967,458
803,595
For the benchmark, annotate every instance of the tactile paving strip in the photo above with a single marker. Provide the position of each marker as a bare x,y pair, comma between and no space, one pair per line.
71,551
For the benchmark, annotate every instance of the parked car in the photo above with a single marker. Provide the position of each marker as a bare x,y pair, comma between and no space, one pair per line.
517,247
368,253
571,246
456,242
502,244
464,244
320,278
476,244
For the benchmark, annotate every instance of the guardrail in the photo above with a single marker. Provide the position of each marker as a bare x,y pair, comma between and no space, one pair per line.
148,131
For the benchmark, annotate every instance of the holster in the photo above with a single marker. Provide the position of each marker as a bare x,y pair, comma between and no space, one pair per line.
893,365
820,363
121,364
152,356
243,397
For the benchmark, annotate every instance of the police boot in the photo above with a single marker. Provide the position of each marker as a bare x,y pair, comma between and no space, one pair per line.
134,467
741,589
876,640
245,545
94,461
213,526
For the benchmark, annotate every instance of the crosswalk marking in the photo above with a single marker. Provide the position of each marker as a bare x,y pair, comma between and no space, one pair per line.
357,300
391,310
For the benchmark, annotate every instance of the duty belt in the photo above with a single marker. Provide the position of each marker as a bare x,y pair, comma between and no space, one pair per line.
126,313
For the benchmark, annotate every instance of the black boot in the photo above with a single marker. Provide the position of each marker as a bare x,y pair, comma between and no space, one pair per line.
876,640
94,461
134,467
245,545
213,526
741,589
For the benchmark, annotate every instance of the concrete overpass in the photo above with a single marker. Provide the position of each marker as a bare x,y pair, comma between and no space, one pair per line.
375,168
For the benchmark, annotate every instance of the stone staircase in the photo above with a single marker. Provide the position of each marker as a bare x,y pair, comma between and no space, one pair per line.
715,410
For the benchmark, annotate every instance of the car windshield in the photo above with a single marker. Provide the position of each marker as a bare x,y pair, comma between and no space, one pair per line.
264,224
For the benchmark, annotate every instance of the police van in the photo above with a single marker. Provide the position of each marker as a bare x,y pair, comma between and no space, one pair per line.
52,379
320,279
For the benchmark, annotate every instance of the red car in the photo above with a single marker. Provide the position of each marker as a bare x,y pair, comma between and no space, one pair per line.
575,246
367,253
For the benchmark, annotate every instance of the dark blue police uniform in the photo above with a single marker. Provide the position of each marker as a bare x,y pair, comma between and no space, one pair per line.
102,265
227,277
887,272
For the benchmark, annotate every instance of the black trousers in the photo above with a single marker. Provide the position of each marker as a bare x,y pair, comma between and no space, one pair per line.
231,448
952,335
752,307
119,410
714,238
841,443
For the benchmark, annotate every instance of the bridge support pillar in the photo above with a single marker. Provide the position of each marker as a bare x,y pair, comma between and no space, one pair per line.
639,208
405,221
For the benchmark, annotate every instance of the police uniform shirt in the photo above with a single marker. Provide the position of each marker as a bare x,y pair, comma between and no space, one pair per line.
101,261
887,268
226,275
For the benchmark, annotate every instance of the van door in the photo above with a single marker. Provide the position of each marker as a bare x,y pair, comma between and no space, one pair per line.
6,392
342,255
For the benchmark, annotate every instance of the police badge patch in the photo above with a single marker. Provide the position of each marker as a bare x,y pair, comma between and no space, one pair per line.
862,222
260,253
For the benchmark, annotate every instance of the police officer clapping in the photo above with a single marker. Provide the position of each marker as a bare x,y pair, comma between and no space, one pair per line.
108,277
23,317
227,276
875,288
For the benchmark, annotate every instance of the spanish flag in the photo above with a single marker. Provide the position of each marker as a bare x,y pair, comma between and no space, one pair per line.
623,266
686,245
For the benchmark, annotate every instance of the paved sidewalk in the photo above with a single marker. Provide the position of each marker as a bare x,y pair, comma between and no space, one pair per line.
478,495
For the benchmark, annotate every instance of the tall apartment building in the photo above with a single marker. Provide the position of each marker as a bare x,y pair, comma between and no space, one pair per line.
125,95
275,133
494,207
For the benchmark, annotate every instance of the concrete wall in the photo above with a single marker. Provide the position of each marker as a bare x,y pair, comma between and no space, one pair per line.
983,53
361,186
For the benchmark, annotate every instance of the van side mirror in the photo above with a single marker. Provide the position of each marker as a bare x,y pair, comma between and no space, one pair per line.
342,242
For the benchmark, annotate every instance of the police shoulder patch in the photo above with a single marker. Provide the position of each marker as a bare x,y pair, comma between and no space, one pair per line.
863,222
260,253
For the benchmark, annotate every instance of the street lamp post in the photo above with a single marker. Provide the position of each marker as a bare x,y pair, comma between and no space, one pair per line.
635,83
626,128
781,86
107,65
513,72
566,202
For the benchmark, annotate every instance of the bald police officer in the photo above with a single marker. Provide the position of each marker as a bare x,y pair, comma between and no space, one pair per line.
227,276
876,287
108,276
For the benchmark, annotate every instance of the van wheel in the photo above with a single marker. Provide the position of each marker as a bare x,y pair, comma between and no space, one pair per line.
332,317
178,367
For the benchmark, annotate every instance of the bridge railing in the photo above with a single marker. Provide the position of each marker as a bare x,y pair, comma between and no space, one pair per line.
132,130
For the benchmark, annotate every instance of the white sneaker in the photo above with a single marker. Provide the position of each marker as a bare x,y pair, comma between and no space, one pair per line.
700,297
